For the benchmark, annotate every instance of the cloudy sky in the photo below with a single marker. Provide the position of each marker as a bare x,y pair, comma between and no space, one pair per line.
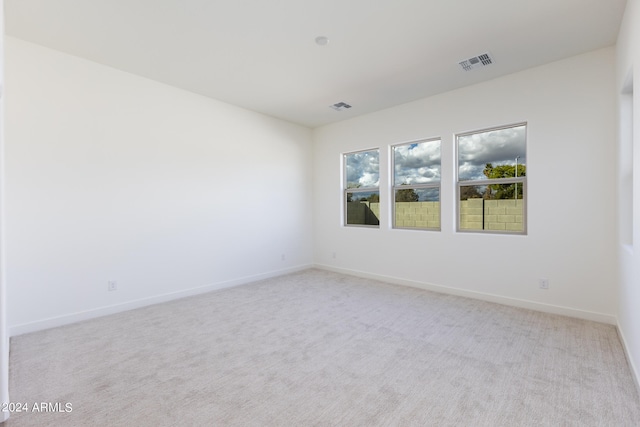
498,147
417,163
363,169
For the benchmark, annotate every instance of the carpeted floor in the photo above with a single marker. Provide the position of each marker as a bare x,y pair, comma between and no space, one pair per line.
317,348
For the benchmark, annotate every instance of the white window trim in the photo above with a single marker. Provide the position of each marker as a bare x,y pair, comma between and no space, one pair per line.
522,180
346,190
395,187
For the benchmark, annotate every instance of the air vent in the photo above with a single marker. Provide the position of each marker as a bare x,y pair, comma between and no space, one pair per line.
476,62
340,106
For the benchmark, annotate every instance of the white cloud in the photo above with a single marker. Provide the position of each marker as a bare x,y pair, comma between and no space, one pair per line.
417,163
363,169
498,147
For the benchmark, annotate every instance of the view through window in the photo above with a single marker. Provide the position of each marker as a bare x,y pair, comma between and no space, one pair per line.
361,188
492,169
416,185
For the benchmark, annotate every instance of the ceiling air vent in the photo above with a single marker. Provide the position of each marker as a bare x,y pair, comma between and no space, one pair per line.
340,106
476,62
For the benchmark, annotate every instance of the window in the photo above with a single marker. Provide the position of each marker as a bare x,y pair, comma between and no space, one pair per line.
492,180
361,188
416,185
625,190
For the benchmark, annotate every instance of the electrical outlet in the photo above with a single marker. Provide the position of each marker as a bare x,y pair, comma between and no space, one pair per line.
543,283
112,285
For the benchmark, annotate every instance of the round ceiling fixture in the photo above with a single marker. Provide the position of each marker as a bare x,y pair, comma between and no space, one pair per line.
322,41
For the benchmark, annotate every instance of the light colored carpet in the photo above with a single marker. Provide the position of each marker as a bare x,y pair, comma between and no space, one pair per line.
317,348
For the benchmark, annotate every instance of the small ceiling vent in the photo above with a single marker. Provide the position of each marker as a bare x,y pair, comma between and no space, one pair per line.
340,106
476,62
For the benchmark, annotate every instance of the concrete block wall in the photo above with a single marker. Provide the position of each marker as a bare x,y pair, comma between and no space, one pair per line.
499,215
364,213
418,215
375,208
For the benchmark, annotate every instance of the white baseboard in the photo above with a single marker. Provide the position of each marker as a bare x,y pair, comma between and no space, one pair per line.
129,305
627,353
515,302
66,319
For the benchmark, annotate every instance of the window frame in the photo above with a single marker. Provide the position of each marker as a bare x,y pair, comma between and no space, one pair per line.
395,187
512,180
346,189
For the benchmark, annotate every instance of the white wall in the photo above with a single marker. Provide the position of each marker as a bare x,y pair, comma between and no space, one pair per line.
4,333
113,177
110,176
628,71
570,109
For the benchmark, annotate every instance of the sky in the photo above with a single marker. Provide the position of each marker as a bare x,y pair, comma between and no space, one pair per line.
363,169
419,162
498,147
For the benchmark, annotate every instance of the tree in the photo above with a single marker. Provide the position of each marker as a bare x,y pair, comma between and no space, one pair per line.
372,197
375,197
406,195
503,191
469,192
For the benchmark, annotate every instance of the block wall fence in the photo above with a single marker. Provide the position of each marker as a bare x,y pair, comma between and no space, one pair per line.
475,214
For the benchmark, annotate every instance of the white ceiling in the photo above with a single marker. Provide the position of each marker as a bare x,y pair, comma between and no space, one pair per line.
261,54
